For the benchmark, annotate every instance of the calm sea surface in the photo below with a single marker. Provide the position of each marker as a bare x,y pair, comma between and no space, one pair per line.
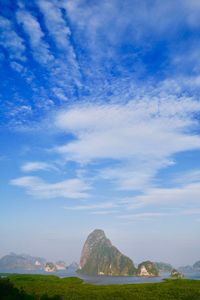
102,280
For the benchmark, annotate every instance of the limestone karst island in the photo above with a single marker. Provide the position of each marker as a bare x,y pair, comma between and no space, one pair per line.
100,257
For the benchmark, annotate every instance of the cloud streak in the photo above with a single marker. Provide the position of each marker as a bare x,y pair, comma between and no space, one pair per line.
188,194
11,41
70,188
96,206
60,32
32,27
37,166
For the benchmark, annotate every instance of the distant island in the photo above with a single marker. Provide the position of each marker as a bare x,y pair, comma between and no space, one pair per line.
23,262
195,268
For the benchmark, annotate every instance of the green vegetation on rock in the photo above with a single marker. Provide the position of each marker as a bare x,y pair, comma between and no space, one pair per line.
147,268
100,257
177,275
50,267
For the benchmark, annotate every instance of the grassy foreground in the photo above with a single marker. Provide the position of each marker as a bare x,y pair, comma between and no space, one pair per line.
52,287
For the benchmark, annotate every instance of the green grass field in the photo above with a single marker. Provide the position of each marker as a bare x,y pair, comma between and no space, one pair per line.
52,287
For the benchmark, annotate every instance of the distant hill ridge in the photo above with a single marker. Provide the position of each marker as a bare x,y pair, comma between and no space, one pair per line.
163,267
24,262
194,268
14,261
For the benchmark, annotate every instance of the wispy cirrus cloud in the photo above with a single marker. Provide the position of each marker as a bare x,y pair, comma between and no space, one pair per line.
70,188
60,32
55,22
153,215
37,166
192,176
96,206
103,212
187,194
167,202
11,41
31,26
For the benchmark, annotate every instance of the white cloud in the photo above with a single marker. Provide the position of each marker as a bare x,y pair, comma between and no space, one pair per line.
187,177
58,92
11,41
16,66
103,212
31,26
114,19
65,71
169,197
193,10
70,188
99,206
160,213
55,22
144,216
37,166
135,129
137,174
140,137
59,30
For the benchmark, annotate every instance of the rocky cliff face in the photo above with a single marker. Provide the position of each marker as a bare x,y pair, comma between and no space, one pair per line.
100,257
147,269
176,275
60,265
50,267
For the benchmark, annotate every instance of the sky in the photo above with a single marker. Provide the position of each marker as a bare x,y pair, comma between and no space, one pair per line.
100,127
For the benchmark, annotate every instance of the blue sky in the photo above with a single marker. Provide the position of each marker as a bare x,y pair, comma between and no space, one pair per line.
99,127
